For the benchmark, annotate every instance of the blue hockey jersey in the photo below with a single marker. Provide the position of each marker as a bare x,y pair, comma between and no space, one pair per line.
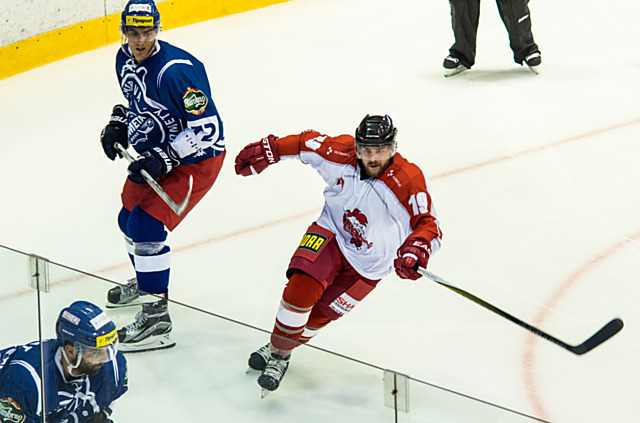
70,401
169,95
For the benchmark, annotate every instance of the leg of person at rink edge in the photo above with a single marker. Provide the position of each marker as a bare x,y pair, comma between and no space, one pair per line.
465,15
308,305
151,261
145,228
297,322
516,17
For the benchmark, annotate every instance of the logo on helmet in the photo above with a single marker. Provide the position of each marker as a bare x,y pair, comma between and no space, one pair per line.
104,340
99,321
140,8
71,318
139,21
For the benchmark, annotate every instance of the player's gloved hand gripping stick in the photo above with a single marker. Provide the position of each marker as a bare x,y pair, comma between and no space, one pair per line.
607,331
177,208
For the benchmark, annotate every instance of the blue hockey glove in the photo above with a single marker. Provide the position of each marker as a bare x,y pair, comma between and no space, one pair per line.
156,161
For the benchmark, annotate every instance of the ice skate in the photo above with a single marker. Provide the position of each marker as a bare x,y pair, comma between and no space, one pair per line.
452,66
258,359
273,373
150,331
533,61
124,295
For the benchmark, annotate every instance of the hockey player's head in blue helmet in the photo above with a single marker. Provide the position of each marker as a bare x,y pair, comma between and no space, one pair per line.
139,27
375,144
86,337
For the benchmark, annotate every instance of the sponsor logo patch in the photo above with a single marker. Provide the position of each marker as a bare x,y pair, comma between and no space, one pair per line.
10,411
343,304
140,8
70,317
194,101
104,340
99,321
139,21
312,242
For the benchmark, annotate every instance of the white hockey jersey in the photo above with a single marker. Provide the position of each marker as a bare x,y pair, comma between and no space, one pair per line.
371,217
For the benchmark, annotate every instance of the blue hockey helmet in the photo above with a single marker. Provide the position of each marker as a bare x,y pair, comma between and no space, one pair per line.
141,13
87,328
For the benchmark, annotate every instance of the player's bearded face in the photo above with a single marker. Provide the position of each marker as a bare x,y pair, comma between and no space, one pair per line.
88,368
375,159
141,40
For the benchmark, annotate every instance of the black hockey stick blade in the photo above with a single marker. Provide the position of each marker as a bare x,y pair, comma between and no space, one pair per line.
609,330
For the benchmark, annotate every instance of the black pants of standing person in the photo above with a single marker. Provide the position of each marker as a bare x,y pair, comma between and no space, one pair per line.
515,14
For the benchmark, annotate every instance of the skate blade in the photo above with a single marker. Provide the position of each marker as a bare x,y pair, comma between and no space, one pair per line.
137,302
534,70
264,393
112,306
452,72
158,343
251,370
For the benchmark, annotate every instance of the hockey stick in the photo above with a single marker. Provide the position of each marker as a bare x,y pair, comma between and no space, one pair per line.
598,338
177,208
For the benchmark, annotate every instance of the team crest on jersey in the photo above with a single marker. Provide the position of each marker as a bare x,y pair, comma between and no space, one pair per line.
355,222
10,411
148,122
195,101
312,242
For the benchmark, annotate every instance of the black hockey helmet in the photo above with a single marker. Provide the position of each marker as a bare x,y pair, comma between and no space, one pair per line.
376,130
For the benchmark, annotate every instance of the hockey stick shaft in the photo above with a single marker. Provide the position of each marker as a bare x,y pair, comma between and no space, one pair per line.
606,332
177,208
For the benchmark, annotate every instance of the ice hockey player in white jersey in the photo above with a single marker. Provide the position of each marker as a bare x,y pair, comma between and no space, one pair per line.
378,215
173,123
83,373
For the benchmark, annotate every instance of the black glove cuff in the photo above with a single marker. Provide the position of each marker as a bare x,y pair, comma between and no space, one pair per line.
166,157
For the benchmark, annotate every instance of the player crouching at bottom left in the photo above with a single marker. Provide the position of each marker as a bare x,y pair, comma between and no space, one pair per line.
173,123
378,215
83,373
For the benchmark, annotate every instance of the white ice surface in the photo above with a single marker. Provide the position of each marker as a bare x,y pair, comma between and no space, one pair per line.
536,180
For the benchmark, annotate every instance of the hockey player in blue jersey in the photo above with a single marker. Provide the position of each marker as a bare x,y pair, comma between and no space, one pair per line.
172,122
83,371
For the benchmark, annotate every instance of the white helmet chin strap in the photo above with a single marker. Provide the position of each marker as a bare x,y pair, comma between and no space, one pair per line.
72,367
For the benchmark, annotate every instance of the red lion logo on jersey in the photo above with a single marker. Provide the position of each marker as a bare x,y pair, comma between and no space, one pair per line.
355,222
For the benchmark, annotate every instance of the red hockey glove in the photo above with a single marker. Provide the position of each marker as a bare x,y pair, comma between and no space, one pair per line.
414,250
255,157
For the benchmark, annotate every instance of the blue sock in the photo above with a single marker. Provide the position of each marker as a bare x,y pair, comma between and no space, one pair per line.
151,257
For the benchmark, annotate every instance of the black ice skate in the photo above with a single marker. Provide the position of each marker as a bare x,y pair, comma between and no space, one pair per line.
272,375
124,295
258,359
150,331
452,66
533,61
